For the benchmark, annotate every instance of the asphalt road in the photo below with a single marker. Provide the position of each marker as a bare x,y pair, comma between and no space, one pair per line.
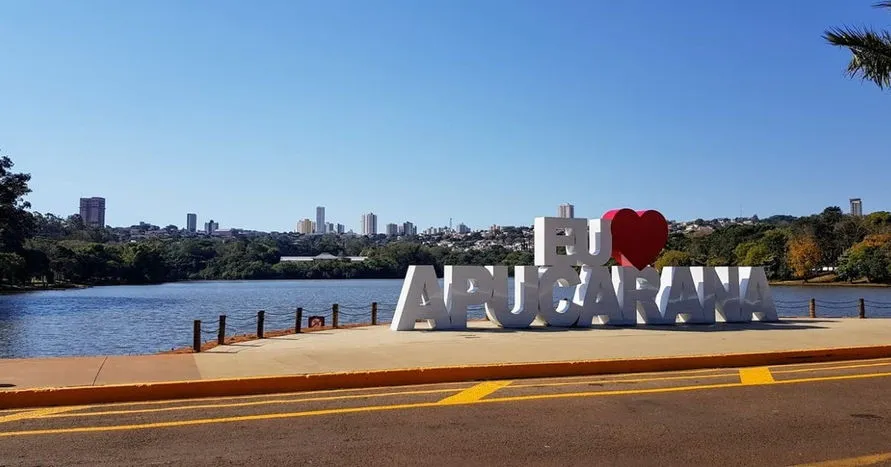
787,415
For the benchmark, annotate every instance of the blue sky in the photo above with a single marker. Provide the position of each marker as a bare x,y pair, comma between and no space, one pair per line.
489,112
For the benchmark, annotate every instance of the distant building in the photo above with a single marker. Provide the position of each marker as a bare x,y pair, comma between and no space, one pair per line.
566,210
392,229
340,228
320,219
304,226
409,229
463,229
192,222
329,227
210,227
322,257
856,207
92,211
369,224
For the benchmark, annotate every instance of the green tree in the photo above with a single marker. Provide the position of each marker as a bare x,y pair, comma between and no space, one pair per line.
673,258
16,223
870,51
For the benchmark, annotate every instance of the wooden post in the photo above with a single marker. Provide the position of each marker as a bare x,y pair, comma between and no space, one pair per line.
196,336
299,321
335,311
862,309
261,317
373,313
221,332
813,308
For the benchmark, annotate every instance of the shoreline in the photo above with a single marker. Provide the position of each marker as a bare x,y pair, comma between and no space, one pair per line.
12,290
799,283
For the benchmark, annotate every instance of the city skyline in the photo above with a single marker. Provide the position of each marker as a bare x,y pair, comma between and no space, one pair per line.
387,113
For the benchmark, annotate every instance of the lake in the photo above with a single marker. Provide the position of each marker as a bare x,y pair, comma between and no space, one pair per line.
120,320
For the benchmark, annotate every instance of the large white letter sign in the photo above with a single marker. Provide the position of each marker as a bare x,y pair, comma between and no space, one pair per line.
678,298
525,297
566,313
754,291
718,290
596,298
636,293
421,298
466,286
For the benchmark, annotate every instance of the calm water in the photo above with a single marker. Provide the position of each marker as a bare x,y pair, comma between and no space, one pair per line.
148,319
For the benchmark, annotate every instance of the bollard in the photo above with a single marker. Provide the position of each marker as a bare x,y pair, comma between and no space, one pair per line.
862,309
374,313
335,311
221,332
299,320
261,317
813,308
196,336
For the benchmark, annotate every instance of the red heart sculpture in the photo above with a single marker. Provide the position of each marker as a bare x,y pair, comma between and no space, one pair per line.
638,237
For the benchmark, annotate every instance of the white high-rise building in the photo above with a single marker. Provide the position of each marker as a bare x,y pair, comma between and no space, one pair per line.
369,224
566,210
409,229
320,219
392,229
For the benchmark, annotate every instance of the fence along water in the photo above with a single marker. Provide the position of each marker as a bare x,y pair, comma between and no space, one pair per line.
229,328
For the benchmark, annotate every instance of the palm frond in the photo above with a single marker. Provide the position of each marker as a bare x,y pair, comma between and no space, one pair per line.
871,51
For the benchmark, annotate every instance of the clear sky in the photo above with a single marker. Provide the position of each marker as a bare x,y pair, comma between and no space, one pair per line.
486,111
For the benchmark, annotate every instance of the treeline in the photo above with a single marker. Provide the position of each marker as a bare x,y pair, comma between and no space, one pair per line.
852,247
51,249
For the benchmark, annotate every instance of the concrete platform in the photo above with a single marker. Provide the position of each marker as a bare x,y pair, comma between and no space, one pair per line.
377,348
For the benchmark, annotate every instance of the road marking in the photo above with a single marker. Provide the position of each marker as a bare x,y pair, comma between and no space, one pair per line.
380,408
614,380
475,393
828,368
757,375
852,461
248,404
29,414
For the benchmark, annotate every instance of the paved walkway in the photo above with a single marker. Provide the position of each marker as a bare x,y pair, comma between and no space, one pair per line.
378,348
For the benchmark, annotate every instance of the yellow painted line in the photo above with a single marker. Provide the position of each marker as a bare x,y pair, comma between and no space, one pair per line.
757,375
829,368
620,380
248,404
475,393
872,459
380,408
29,414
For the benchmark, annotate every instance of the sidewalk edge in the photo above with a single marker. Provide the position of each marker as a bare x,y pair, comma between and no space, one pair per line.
258,385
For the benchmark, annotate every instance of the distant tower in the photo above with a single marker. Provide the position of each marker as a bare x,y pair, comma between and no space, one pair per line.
92,211
320,219
856,207
191,222
566,210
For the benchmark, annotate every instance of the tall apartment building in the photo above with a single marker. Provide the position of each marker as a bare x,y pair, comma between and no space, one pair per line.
329,227
191,222
392,229
210,227
409,229
320,219
369,224
304,226
566,210
856,207
463,229
92,211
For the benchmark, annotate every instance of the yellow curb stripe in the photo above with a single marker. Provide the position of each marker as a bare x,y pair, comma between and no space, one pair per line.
248,404
29,414
475,393
378,408
872,459
84,395
758,375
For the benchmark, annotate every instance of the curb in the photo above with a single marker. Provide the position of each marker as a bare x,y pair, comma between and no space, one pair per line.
83,395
